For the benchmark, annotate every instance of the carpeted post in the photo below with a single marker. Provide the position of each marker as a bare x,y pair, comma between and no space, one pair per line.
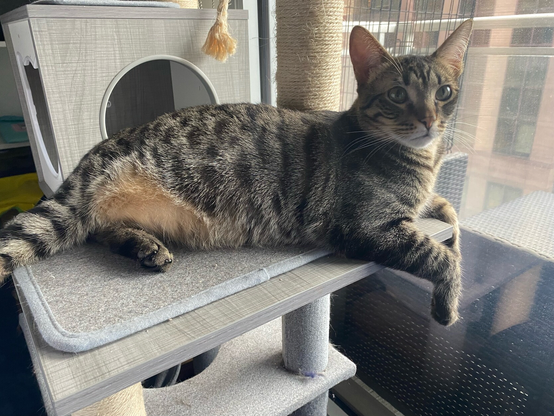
306,347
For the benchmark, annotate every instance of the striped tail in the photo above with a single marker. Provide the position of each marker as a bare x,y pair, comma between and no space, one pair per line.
40,232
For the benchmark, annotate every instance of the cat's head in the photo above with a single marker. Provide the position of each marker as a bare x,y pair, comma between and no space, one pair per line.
408,99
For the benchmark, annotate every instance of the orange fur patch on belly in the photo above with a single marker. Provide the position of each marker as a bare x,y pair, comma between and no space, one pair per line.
136,199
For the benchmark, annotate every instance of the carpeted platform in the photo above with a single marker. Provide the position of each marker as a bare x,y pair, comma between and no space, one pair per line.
88,296
248,378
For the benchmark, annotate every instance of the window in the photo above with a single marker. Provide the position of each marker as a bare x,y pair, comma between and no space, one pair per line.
520,104
498,194
385,10
498,359
426,40
534,6
380,10
529,36
481,37
429,7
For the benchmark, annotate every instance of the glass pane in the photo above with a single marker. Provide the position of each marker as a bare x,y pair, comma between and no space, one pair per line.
515,71
499,359
511,193
495,195
542,36
545,6
522,36
481,37
526,6
530,102
509,105
428,6
504,135
535,71
524,138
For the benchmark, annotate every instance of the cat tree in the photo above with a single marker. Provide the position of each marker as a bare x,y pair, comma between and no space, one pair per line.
62,99
90,361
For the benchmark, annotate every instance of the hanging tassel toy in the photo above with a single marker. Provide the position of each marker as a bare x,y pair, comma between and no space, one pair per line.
219,43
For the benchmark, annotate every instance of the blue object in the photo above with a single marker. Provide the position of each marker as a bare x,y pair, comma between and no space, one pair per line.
13,130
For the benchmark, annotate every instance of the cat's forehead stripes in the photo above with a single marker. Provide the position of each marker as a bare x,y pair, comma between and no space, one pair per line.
419,72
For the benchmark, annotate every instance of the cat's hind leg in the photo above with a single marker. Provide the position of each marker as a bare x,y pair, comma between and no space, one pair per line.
137,244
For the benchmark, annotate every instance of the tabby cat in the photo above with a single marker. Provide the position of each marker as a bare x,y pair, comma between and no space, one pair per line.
244,174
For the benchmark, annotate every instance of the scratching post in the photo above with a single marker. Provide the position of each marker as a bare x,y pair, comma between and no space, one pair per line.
128,402
306,347
306,338
309,48
309,45
186,4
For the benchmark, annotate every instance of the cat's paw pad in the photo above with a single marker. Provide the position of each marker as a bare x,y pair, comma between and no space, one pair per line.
155,257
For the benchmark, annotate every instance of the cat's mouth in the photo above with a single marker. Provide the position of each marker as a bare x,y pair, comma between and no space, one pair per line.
422,136
420,141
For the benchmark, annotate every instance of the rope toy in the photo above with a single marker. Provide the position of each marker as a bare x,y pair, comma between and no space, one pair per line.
219,43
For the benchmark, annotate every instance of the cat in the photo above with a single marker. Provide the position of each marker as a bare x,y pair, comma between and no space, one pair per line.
251,174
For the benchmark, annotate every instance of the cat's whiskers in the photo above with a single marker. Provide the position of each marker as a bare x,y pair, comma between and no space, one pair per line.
360,143
365,141
456,130
384,141
357,131
468,124
389,143
464,139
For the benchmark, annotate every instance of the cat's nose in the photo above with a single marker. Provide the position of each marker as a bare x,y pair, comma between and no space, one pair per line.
428,121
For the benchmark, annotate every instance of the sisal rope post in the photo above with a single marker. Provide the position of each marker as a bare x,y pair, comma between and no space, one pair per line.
186,4
219,43
309,47
127,402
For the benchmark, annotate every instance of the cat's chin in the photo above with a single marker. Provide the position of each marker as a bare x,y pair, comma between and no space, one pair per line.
420,142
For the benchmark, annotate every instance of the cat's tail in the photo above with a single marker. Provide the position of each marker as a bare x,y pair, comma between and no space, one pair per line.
50,227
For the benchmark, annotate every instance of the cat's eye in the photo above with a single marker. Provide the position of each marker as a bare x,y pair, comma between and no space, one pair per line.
398,95
443,93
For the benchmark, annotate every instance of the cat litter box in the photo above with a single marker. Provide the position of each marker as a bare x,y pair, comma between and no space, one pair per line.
84,73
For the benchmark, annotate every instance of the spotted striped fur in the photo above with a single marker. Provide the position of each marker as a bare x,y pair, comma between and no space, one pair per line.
242,174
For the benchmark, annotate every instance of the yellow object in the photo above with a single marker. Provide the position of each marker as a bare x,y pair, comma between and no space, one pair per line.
21,192
219,43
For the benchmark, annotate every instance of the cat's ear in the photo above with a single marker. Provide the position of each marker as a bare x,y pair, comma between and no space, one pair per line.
366,53
452,51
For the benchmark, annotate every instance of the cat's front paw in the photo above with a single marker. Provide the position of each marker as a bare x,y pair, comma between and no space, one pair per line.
443,313
454,242
444,305
6,267
155,257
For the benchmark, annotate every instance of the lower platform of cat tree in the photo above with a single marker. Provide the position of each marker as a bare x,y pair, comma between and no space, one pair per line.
248,378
